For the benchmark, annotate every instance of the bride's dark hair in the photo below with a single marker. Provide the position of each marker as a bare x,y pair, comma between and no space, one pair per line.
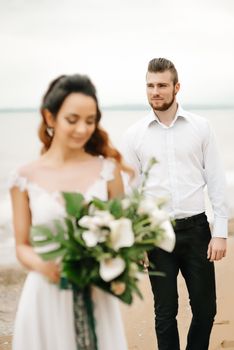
59,89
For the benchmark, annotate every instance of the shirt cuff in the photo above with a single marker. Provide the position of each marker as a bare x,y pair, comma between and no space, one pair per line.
220,228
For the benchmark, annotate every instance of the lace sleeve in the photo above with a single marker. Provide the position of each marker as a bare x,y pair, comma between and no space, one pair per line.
108,169
16,180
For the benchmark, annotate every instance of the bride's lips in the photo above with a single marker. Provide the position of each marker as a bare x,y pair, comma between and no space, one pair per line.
79,139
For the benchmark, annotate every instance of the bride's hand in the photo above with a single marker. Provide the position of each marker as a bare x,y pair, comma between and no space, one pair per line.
51,270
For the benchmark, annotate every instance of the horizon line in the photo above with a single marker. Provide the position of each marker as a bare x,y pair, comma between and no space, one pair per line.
120,107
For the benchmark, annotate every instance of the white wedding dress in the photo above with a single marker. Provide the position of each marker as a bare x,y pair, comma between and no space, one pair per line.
44,319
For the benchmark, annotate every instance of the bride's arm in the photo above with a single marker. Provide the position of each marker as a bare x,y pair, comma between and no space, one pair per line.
24,251
115,186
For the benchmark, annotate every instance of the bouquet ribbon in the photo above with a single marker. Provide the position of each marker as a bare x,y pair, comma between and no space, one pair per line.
84,321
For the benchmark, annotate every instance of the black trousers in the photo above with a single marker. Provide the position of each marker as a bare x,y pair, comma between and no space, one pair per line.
190,257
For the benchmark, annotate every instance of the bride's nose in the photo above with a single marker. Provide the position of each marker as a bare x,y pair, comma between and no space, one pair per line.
80,128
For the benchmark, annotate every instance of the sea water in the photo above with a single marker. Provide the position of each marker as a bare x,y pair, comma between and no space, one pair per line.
19,144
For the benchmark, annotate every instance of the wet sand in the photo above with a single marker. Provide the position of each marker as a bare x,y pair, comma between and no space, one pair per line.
138,318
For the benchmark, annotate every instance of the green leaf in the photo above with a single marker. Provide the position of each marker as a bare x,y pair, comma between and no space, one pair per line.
115,208
40,243
70,229
156,273
134,288
40,230
60,230
74,203
72,247
98,203
78,237
53,254
76,271
126,297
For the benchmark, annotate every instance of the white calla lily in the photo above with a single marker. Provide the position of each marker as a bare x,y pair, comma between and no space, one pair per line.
168,241
125,203
90,238
121,234
158,216
106,215
111,268
102,235
147,205
87,222
101,218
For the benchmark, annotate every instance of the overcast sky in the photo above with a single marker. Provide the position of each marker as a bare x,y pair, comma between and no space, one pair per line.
112,42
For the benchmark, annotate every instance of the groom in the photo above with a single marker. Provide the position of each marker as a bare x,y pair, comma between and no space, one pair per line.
185,148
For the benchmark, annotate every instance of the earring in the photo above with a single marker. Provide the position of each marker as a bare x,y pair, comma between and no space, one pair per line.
50,131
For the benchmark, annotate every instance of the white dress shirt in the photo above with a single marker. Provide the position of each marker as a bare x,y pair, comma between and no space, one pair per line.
188,160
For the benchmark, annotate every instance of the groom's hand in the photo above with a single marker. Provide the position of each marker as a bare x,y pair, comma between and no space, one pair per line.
217,249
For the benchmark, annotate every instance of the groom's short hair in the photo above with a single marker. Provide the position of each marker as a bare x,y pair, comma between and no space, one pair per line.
161,65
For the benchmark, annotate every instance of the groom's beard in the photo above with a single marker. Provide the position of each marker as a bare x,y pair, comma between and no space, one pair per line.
166,105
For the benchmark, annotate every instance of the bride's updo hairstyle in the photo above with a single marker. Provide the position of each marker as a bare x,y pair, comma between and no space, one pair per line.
58,90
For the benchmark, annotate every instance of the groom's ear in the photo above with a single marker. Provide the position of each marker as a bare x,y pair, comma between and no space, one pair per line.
177,88
48,118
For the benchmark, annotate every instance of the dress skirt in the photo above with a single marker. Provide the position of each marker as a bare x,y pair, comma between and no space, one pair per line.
45,318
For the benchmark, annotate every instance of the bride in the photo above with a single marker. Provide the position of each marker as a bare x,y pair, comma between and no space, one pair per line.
76,157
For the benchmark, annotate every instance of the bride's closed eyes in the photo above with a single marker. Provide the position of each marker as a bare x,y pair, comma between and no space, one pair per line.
74,118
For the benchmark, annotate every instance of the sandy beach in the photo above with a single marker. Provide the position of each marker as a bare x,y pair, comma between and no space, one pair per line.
138,318
139,322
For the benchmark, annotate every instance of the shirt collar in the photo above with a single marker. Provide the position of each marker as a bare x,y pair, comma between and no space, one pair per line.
180,113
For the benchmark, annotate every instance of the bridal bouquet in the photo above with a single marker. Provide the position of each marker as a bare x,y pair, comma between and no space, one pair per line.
103,243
